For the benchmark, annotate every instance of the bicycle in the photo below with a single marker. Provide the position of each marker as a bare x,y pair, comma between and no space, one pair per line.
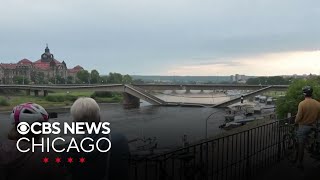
290,143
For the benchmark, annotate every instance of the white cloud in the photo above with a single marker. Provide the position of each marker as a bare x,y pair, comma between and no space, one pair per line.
301,62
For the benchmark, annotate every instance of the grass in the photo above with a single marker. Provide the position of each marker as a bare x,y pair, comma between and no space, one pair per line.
54,99
275,94
4,102
74,93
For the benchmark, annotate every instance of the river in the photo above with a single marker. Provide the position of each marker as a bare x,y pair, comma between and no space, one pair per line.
167,124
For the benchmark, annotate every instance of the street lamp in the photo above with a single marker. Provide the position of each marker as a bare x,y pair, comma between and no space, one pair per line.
215,112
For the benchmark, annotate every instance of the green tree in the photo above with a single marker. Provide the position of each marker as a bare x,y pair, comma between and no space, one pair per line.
83,76
289,103
273,80
52,80
127,79
104,79
39,78
33,77
60,80
94,77
70,80
114,78
20,80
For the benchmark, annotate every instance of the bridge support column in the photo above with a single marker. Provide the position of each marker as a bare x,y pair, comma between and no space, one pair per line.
187,91
174,91
130,101
201,91
28,92
36,92
45,93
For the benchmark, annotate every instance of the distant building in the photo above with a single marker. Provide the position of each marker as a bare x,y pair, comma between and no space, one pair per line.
47,65
239,78
73,72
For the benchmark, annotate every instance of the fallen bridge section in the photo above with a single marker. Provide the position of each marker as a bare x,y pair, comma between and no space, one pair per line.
132,94
251,94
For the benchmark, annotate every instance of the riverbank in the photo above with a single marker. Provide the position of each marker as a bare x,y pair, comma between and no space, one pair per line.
55,99
59,109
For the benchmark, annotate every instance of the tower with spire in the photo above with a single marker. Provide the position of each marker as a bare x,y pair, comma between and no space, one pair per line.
47,56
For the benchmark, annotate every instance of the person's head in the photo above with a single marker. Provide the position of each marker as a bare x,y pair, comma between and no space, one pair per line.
29,113
85,109
307,91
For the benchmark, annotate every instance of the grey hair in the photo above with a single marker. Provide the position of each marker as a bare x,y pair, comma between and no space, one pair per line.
85,109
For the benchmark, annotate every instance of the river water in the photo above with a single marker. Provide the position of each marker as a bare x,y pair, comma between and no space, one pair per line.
167,124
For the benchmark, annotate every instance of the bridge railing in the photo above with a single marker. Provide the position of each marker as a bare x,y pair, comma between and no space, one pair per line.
236,156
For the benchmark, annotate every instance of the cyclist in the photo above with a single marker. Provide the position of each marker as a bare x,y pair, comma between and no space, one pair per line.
17,165
306,119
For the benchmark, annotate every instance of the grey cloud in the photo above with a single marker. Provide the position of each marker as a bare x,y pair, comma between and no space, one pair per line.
148,36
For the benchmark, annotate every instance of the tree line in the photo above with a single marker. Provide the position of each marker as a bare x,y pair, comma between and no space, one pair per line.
273,80
82,77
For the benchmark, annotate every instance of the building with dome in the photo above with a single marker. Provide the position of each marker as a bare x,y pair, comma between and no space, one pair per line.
45,70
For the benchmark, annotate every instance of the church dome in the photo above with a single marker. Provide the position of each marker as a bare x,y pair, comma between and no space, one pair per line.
47,56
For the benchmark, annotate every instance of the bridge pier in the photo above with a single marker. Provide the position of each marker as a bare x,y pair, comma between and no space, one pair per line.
45,93
201,91
36,92
187,90
28,92
130,101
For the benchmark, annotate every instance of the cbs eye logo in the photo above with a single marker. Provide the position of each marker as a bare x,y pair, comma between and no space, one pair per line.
23,128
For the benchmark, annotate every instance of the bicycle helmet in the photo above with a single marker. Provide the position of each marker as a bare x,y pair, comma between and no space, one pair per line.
307,91
28,112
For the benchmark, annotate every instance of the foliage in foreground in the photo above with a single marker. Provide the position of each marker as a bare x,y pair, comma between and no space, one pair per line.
289,103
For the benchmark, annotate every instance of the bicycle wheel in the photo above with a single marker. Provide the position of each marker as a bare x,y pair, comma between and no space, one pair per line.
289,147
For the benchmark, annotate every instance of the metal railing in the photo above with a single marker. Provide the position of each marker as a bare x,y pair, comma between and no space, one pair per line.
236,156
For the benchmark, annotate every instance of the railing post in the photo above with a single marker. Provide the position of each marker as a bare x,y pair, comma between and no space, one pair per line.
248,156
279,142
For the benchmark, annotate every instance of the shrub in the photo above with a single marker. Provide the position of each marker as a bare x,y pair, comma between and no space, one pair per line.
71,97
60,98
55,98
102,94
117,98
289,103
4,102
51,98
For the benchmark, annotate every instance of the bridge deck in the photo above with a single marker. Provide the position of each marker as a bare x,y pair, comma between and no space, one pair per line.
140,92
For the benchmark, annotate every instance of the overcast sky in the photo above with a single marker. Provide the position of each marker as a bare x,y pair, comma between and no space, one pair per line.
166,37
